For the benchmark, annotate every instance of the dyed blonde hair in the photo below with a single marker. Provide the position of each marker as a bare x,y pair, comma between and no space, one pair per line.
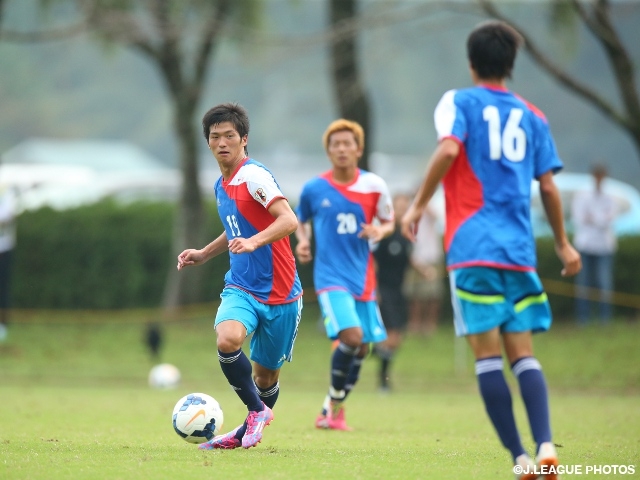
342,125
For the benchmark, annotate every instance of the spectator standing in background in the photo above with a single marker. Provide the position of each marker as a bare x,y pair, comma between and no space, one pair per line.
423,282
7,244
593,212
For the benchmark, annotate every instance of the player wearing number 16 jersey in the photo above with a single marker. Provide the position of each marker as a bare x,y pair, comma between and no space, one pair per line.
492,144
342,205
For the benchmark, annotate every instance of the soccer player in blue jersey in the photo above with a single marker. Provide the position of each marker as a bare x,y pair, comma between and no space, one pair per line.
262,293
492,144
348,208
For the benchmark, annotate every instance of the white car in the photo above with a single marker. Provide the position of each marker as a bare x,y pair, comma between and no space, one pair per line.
628,223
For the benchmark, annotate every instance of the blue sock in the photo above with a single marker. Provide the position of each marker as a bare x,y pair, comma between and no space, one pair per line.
270,394
353,375
497,401
533,389
237,368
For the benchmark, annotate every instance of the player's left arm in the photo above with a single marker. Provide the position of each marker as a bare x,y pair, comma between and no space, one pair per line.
376,232
552,203
285,224
385,215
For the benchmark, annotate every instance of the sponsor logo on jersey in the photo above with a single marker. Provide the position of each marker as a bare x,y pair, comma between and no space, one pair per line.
325,203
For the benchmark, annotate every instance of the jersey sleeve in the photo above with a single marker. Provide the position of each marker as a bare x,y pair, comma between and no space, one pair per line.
546,158
384,208
449,119
303,210
262,186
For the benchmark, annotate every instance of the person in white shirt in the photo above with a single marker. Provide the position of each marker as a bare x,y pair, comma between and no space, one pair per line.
7,244
593,214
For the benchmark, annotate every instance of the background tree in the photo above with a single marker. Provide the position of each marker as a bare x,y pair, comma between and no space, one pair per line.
596,17
179,38
349,90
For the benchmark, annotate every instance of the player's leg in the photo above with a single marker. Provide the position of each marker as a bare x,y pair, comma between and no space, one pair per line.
480,308
373,331
531,313
583,284
386,351
271,345
235,319
533,389
494,390
342,323
394,312
604,280
5,265
434,301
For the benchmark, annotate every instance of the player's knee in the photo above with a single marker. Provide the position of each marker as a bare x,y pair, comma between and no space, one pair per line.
351,337
266,379
364,350
228,343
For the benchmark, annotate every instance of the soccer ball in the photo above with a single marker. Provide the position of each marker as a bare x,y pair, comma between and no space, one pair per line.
164,375
197,417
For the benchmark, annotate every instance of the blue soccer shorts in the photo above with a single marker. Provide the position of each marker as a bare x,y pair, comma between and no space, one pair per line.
274,327
484,298
341,311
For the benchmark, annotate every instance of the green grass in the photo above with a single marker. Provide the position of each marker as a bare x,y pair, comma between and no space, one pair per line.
74,403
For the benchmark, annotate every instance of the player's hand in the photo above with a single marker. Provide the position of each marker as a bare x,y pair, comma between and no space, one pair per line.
570,259
303,252
242,245
409,223
371,232
190,257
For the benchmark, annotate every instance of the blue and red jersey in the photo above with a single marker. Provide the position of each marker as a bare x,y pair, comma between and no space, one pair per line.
344,261
269,273
505,144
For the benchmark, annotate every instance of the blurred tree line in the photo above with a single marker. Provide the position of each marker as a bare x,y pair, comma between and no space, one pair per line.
113,256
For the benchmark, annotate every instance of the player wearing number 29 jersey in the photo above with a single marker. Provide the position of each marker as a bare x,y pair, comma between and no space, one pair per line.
505,143
269,273
343,259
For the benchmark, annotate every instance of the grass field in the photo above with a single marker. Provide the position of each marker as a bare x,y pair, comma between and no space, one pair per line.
74,403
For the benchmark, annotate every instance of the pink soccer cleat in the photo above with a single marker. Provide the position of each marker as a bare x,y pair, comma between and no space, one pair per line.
256,421
228,441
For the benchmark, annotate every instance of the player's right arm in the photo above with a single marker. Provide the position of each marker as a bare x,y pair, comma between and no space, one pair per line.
552,203
441,160
193,257
303,248
303,232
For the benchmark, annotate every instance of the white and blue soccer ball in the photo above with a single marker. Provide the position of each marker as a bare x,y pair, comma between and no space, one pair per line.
197,417
164,375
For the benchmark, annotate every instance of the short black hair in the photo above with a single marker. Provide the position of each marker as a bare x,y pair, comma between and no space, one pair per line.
234,113
492,47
